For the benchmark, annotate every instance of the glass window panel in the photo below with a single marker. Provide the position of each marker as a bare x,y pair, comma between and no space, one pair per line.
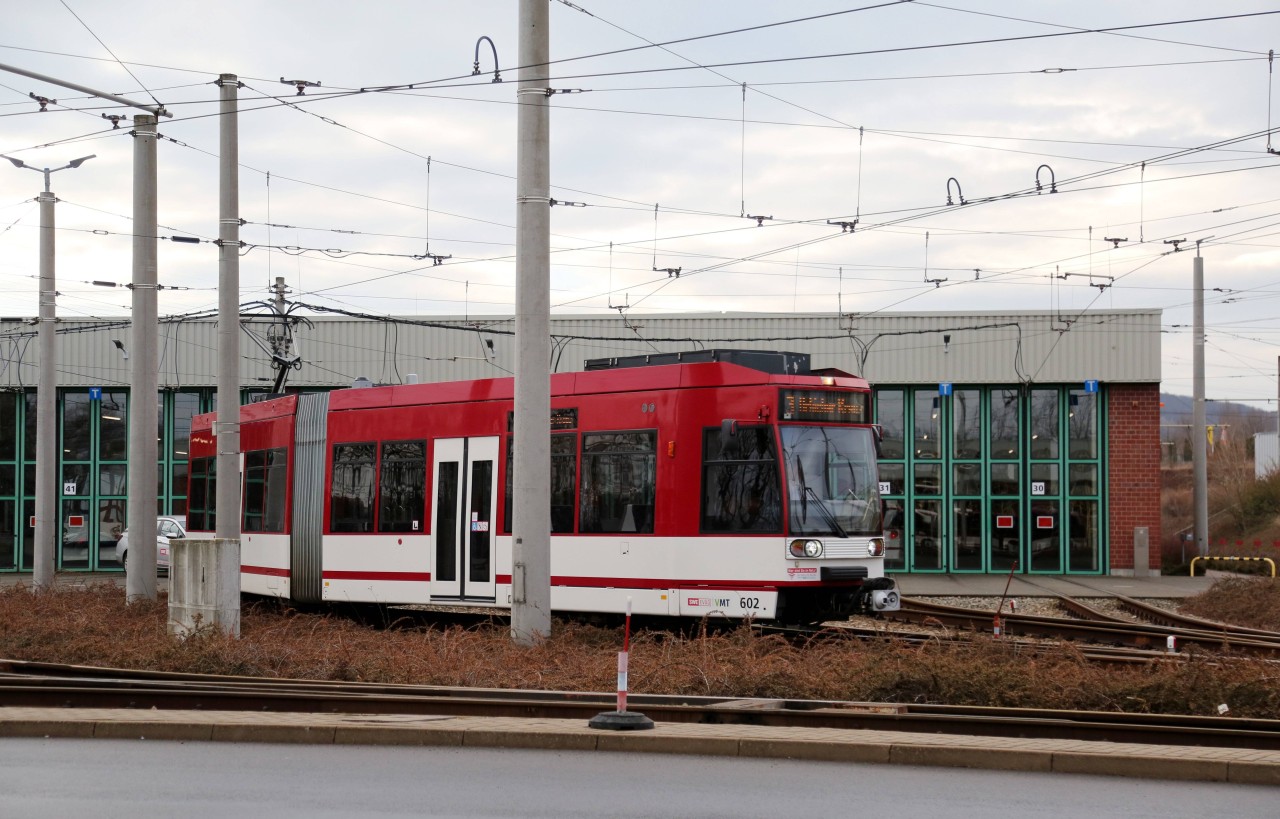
1004,479
1082,554
928,479
113,427
966,538
966,479
255,464
112,520
479,548
265,482
895,475
178,478
402,487
928,425
277,489
75,426
1046,525
185,406
29,442
1084,479
75,534
75,479
890,416
619,475
29,534
28,479
351,494
966,423
113,479
895,535
8,431
1004,424
564,482
1005,523
8,480
926,535
740,487
8,534
1082,424
446,533
1046,474
160,426
1044,424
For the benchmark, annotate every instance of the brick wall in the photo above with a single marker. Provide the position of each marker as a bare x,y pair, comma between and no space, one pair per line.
1133,470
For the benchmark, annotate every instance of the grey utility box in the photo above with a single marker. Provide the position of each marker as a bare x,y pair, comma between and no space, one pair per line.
1141,552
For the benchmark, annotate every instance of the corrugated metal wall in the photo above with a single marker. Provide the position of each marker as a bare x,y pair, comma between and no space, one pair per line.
1110,346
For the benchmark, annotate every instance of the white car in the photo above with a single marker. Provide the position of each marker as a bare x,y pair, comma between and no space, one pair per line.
167,526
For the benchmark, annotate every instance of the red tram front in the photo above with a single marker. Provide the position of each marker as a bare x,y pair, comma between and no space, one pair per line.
722,482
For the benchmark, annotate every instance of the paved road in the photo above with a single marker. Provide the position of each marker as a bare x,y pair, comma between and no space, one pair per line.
131,778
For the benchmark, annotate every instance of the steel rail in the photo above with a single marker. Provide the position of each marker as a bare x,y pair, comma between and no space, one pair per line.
1113,655
1161,616
1139,635
51,685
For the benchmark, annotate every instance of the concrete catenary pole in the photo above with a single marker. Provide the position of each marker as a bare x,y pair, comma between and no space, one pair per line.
140,582
46,454
1199,429
46,404
531,525
227,500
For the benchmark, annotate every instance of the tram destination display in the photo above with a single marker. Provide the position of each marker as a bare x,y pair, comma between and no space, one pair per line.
830,406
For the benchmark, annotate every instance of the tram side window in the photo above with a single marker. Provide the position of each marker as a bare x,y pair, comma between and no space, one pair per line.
402,487
740,487
619,476
266,482
202,493
564,476
351,496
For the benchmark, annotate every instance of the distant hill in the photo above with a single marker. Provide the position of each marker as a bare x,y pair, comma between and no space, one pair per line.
1177,409
1238,421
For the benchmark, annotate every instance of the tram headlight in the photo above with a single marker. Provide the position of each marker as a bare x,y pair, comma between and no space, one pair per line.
875,547
806,548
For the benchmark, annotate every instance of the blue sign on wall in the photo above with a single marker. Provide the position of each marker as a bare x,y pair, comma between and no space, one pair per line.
95,393
944,389
1091,386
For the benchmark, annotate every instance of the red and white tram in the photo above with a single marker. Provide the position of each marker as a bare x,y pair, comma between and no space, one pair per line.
726,482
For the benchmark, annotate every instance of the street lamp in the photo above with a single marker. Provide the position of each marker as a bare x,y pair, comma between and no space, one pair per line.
46,387
75,163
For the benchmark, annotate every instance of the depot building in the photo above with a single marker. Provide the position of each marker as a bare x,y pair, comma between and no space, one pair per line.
1027,440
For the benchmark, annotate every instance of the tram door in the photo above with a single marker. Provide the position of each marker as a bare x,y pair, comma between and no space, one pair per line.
463,518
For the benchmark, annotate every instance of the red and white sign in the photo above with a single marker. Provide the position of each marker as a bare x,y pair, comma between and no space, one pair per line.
1004,521
1044,521
75,520
803,573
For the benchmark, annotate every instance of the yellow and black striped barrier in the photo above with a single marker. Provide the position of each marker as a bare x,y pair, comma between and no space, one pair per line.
1218,557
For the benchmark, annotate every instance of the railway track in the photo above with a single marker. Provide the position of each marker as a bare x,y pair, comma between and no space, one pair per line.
49,685
1087,625
1112,655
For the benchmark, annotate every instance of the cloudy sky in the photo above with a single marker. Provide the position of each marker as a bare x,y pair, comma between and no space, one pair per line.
878,112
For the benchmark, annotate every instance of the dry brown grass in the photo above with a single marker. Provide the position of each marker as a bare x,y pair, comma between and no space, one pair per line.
1243,601
94,626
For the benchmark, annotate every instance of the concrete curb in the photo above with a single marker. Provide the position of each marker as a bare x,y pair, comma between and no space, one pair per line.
1244,766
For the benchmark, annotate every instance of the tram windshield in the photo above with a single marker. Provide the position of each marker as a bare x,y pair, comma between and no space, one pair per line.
831,480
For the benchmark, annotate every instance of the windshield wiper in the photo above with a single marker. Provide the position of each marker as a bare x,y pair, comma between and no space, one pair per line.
826,511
